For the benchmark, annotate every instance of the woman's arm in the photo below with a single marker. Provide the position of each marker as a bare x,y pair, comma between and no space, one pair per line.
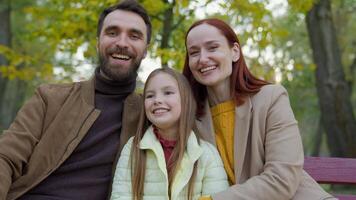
283,153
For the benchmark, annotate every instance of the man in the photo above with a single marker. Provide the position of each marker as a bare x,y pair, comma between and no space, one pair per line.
66,139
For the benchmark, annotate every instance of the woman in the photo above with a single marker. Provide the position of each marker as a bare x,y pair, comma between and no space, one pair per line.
249,120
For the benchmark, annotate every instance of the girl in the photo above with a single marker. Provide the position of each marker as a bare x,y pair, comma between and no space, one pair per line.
168,160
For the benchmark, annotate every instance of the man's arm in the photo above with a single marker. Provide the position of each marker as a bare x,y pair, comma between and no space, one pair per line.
17,143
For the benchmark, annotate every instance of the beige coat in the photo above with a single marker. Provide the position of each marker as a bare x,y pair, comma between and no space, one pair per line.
268,150
47,129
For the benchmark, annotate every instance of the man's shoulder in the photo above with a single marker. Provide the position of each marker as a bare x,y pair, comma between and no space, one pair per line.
58,90
134,98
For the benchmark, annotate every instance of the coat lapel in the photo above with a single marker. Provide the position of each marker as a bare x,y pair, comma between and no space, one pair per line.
150,142
241,131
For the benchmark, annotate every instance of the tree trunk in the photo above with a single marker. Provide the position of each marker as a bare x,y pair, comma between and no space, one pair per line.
167,29
5,39
12,92
318,139
333,91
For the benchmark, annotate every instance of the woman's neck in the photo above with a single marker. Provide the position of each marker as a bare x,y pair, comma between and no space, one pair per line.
219,93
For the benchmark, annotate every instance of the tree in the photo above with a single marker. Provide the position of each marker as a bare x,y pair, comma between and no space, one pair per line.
5,38
333,90
11,90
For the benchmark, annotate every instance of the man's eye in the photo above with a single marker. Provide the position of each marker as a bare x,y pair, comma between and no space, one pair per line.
135,37
112,33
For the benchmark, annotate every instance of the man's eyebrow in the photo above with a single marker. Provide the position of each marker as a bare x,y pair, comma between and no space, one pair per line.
110,28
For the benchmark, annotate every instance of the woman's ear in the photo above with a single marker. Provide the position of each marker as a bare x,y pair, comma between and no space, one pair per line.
235,52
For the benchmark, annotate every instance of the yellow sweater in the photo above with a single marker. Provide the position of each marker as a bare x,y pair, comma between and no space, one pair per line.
224,120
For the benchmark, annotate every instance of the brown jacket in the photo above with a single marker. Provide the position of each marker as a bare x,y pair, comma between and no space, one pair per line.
268,150
46,131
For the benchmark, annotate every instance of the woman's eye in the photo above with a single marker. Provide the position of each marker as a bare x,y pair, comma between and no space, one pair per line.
193,53
212,48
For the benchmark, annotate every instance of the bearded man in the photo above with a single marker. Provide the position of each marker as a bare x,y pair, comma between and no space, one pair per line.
66,139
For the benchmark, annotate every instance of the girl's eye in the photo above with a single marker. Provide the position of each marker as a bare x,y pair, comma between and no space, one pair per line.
168,92
149,96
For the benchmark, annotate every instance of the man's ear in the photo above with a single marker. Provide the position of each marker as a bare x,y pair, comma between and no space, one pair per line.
235,52
145,52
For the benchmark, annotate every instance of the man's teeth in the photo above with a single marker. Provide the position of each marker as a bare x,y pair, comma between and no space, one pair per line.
205,69
120,56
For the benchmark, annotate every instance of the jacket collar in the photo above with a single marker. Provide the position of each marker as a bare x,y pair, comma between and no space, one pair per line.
241,131
191,155
88,91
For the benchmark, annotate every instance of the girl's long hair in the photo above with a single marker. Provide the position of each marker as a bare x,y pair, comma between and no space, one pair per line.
243,83
185,126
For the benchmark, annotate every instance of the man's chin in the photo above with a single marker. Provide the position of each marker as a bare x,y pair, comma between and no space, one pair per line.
119,74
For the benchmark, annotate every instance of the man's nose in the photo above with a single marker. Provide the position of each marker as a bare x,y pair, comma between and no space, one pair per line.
122,41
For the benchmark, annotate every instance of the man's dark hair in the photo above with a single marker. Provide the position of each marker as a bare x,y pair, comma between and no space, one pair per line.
127,5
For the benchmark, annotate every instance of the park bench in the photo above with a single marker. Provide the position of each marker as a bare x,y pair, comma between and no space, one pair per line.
333,171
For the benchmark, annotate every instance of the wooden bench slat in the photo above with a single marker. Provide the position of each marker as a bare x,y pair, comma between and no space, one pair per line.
346,197
331,170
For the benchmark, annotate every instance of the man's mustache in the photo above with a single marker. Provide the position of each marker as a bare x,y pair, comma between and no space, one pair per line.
120,50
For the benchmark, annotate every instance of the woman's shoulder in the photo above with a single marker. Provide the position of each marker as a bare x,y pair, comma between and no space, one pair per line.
268,94
270,89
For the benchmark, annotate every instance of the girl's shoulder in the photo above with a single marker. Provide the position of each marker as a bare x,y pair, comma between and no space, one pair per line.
127,148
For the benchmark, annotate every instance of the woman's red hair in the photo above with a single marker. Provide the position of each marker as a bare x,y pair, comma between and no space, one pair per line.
243,83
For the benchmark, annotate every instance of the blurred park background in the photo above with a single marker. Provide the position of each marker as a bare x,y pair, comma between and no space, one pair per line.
309,46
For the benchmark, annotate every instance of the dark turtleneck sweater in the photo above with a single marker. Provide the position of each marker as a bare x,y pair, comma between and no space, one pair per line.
87,172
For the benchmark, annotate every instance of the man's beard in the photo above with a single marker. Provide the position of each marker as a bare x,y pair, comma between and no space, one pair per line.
117,73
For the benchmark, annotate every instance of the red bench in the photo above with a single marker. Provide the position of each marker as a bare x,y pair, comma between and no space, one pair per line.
333,171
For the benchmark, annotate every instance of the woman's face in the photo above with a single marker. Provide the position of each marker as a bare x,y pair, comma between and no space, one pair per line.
210,55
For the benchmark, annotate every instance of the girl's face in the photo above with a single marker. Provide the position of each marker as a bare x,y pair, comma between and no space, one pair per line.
163,102
210,56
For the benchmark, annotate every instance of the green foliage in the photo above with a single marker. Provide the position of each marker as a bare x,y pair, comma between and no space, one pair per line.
302,6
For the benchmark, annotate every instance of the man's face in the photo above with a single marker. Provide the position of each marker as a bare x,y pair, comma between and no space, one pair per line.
122,45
